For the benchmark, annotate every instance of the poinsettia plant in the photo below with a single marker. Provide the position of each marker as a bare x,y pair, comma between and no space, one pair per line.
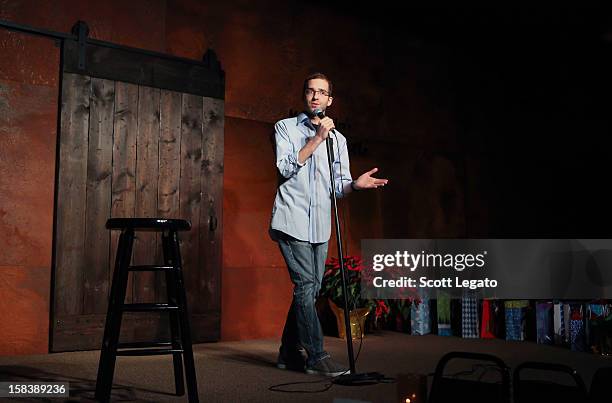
332,286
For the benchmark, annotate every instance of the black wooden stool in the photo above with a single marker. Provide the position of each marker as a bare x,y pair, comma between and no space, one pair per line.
179,344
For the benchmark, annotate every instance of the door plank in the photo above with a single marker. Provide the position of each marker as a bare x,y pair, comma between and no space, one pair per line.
169,166
169,154
99,173
71,193
146,250
211,184
124,162
191,159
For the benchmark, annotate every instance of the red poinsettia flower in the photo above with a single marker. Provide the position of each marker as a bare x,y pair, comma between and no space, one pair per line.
381,308
354,268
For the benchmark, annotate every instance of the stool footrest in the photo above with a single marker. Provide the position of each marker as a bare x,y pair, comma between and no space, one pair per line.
144,344
148,307
149,351
151,267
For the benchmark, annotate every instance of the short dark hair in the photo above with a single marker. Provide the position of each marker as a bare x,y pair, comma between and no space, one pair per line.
315,76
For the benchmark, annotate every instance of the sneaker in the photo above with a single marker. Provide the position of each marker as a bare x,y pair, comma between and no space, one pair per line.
294,362
326,366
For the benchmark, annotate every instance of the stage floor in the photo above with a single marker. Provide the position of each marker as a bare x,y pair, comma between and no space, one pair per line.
243,371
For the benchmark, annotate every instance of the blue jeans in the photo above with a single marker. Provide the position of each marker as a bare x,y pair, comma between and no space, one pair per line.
306,265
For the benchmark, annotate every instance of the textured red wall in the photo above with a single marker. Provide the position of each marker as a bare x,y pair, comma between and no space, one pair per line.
266,50
27,144
29,72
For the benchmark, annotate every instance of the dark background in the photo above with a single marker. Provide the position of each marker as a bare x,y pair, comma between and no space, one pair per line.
529,92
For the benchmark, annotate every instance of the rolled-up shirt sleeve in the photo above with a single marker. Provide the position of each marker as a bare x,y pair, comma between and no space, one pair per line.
286,153
342,172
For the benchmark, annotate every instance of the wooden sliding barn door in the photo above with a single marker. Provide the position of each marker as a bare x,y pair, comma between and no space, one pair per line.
131,149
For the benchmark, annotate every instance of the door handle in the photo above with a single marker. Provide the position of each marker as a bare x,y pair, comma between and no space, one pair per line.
212,223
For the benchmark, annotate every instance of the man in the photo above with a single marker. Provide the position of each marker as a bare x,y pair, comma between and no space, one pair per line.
301,219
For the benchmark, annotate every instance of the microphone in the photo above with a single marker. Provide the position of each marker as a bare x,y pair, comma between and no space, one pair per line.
330,141
318,112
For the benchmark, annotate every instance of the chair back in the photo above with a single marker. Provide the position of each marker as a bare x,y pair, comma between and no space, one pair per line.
450,388
532,391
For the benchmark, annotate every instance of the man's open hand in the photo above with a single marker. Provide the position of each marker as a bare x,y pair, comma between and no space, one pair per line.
367,181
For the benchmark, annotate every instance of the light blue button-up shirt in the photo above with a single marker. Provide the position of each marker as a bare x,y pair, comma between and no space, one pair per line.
302,208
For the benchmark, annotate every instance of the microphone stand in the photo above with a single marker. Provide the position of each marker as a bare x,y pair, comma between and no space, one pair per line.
352,378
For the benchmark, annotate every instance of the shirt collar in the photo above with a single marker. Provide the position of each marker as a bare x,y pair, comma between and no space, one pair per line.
303,118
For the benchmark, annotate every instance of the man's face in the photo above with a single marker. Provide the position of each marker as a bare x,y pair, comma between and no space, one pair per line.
316,95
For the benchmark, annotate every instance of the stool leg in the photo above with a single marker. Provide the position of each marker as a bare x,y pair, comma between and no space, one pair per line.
108,354
192,384
175,336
